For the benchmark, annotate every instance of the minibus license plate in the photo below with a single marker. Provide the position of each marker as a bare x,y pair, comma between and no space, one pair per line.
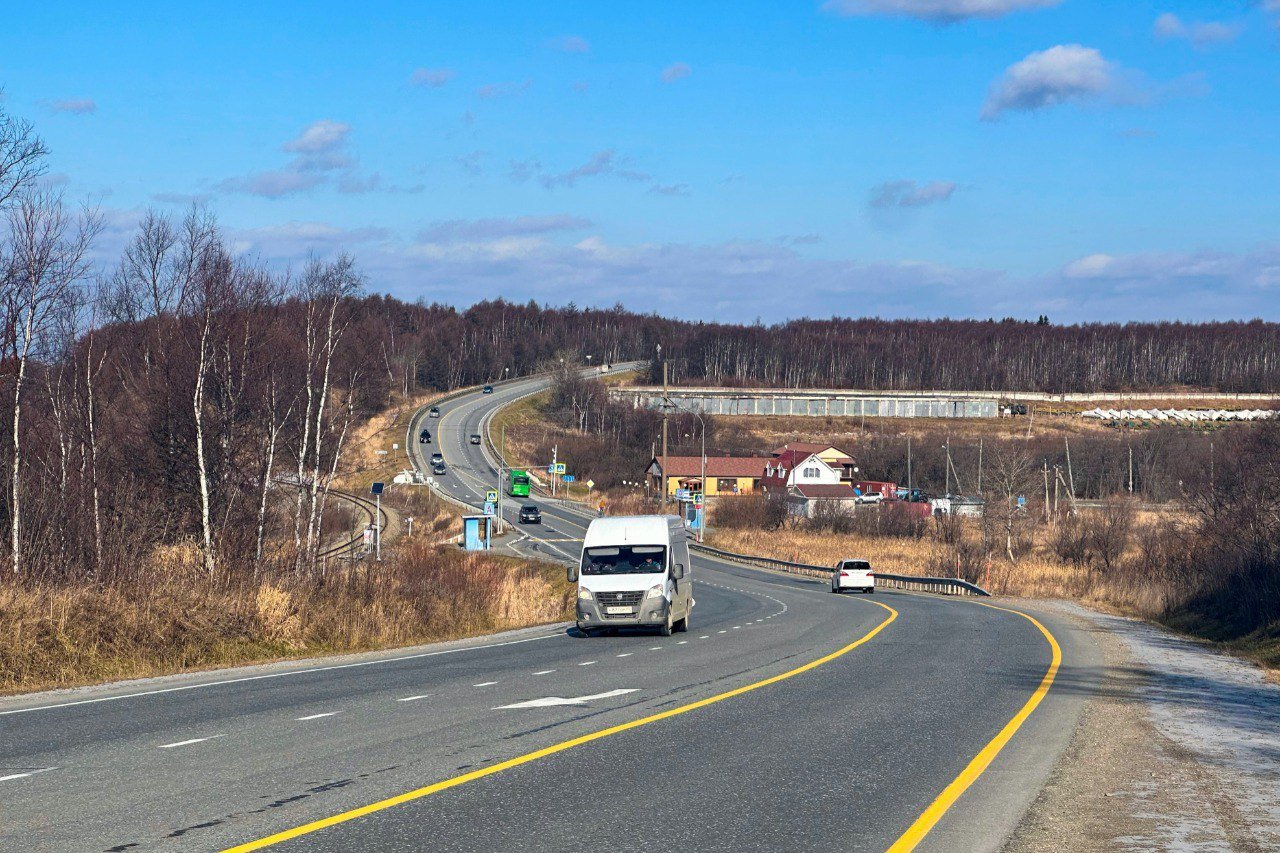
617,610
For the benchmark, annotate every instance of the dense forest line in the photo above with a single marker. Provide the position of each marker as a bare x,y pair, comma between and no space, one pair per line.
980,355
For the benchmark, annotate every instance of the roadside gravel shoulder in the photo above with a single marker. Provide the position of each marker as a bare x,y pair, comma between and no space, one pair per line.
1177,749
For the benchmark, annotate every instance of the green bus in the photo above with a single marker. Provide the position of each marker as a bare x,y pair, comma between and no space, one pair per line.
518,483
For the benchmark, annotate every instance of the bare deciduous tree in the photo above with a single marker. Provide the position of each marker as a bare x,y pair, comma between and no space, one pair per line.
44,259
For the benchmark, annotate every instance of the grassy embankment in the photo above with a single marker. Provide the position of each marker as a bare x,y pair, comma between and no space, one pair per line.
172,618
1037,574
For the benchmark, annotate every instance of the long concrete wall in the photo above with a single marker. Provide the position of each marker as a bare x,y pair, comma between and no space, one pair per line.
838,404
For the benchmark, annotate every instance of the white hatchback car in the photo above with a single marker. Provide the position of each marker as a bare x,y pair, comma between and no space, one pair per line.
853,574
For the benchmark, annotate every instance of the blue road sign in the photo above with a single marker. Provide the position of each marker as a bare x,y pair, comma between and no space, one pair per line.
569,478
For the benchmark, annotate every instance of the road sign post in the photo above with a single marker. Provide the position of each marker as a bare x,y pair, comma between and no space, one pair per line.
376,488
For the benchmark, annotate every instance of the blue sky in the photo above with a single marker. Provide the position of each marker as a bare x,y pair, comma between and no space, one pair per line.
1090,160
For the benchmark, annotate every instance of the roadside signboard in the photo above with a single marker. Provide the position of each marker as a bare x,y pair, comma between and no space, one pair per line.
490,507
684,494
558,468
591,484
569,478
376,489
491,496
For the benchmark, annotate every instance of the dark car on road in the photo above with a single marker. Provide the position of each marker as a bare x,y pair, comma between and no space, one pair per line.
530,514
488,389
475,438
424,437
437,469
437,457
433,412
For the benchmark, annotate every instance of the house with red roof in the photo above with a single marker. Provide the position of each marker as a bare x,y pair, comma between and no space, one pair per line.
833,456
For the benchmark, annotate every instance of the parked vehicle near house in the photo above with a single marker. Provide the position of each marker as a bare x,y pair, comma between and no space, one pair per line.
634,572
853,574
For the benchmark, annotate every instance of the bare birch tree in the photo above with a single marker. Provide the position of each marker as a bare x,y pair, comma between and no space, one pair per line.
45,259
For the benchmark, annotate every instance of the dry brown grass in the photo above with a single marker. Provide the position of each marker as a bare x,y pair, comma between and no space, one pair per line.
59,637
1038,574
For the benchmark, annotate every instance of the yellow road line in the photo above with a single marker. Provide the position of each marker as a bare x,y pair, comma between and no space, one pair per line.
559,747
923,824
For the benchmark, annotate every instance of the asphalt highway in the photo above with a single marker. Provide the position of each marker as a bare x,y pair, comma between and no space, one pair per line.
786,718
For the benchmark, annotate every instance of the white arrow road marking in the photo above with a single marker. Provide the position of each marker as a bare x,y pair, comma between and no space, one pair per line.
187,742
551,701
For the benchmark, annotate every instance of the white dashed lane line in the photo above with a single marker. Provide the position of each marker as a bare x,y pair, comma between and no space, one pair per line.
24,774
413,698
186,742
316,716
626,654
587,663
544,672
485,684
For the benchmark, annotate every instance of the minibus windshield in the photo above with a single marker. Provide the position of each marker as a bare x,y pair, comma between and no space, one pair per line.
625,560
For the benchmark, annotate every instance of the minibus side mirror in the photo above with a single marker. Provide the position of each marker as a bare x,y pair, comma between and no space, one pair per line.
572,573
677,571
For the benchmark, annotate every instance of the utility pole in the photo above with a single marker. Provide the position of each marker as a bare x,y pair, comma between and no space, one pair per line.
947,467
1046,490
910,485
502,466
1130,470
1071,475
664,433
555,449
1057,481
979,466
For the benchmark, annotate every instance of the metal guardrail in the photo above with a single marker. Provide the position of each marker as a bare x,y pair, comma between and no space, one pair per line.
943,586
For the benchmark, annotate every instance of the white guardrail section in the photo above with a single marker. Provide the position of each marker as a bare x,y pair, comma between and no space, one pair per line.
943,586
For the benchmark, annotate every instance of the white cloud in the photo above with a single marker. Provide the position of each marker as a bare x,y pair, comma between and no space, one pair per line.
911,194
1199,33
936,11
606,162
321,153
569,44
431,78
489,91
295,240
74,106
676,71
453,231
540,257
319,137
1067,72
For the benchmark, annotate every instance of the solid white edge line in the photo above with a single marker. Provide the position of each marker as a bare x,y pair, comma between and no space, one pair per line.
274,675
